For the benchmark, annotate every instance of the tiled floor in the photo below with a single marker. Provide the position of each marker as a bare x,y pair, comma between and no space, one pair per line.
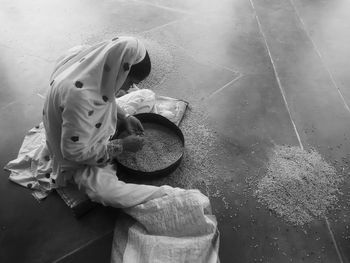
265,71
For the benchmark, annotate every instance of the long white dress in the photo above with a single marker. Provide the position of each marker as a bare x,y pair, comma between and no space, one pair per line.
79,118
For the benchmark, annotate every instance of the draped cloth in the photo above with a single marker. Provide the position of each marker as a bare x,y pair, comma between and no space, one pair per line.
175,228
80,111
79,117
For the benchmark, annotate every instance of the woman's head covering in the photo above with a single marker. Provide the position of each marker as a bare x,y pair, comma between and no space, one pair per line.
121,56
103,67
80,111
141,70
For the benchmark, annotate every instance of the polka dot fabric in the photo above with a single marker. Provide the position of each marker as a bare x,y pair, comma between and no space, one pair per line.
80,109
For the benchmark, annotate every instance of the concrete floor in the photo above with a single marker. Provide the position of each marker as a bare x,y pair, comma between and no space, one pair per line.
266,71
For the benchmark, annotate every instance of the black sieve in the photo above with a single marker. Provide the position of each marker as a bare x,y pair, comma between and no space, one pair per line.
162,121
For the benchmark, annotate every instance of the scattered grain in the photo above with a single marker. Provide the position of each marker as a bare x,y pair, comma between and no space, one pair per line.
162,148
299,185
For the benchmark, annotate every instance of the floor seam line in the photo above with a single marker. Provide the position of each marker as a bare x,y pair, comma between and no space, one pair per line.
320,56
8,105
40,96
333,239
294,125
276,75
342,98
212,63
164,25
28,54
81,247
165,7
240,75
225,86
187,52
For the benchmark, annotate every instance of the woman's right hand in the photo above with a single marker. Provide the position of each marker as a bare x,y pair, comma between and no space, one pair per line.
133,143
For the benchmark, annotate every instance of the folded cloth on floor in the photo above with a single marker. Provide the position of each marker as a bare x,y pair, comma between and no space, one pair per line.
173,109
175,228
76,200
32,167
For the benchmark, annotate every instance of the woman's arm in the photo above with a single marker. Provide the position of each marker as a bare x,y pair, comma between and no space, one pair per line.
80,137
121,114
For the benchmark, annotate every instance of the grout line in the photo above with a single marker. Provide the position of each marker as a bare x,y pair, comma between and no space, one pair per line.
295,128
207,62
81,247
225,86
27,53
276,75
223,67
8,105
333,239
342,98
161,26
41,96
320,55
179,20
187,52
164,7
20,100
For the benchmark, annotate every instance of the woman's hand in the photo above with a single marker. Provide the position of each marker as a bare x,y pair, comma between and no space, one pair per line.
133,125
114,148
132,143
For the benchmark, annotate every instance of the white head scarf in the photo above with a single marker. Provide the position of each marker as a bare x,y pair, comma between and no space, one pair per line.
108,63
80,108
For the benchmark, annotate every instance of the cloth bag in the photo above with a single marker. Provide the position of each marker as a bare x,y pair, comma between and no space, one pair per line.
175,228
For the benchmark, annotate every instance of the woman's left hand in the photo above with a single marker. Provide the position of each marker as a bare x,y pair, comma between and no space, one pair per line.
133,125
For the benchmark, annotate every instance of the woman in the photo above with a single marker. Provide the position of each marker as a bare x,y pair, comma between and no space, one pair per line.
80,117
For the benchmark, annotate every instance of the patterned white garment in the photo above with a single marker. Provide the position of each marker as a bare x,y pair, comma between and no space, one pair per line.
80,112
79,117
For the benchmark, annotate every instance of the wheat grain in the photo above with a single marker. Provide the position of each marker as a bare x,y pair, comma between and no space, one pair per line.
162,148
299,185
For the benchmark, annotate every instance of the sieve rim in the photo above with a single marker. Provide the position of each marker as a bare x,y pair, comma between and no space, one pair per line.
163,121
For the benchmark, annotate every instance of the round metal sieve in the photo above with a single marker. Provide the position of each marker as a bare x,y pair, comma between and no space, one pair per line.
162,121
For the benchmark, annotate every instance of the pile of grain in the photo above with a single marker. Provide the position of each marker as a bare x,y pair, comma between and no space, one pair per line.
299,185
162,148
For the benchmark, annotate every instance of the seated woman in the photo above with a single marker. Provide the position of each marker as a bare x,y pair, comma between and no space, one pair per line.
74,145
80,117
